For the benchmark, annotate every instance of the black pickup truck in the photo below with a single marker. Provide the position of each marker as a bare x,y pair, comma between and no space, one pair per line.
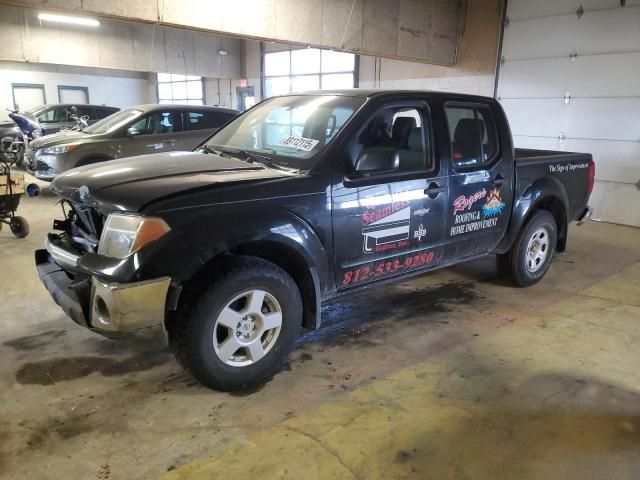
229,250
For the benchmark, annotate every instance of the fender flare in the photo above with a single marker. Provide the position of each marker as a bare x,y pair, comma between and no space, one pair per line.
536,194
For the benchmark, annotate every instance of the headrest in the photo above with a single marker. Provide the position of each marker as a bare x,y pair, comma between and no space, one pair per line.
402,126
468,130
416,140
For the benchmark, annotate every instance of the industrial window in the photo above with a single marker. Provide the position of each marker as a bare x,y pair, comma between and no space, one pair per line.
473,135
182,89
307,69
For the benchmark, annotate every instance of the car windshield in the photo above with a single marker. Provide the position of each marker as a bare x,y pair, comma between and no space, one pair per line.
114,122
290,130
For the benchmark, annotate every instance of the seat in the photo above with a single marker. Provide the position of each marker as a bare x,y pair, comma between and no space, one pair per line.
413,157
467,138
401,130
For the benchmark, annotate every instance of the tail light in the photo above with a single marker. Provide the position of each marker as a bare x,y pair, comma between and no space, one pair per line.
592,175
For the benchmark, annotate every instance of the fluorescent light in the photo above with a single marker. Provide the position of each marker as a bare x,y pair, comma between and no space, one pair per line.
223,52
52,17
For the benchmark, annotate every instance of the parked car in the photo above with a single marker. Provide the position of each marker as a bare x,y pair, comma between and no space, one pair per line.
51,119
133,131
231,248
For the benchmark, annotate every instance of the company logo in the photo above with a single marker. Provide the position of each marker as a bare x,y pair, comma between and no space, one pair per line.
463,203
421,232
421,212
494,205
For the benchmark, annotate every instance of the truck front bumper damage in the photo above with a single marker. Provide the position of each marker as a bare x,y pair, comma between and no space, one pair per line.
116,310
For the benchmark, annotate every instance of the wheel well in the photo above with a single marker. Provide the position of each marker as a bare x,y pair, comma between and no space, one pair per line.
285,257
92,159
554,206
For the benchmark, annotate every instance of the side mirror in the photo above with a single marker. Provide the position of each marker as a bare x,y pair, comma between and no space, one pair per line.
132,132
378,160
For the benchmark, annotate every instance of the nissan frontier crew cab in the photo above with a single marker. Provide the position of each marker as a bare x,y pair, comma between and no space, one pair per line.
230,249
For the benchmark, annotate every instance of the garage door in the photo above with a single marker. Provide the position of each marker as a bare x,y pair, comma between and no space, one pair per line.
569,81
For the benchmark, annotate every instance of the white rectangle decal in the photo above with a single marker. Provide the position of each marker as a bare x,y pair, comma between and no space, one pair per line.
301,143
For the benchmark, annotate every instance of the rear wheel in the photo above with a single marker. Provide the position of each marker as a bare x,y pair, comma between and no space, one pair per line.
243,326
19,227
531,254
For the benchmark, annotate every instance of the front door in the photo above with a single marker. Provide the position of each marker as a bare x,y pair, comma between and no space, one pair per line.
155,132
480,184
389,218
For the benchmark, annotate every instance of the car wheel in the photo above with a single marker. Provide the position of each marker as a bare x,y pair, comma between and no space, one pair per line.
19,227
241,329
530,257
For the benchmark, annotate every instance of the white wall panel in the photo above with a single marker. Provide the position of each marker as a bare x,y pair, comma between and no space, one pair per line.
118,89
603,114
587,76
603,31
616,119
527,9
616,202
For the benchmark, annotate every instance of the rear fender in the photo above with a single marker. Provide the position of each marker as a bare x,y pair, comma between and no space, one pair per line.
546,193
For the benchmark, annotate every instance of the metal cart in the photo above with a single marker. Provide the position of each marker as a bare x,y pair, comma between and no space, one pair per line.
11,189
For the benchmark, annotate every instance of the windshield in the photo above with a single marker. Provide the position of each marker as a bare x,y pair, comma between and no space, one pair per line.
114,122
290,129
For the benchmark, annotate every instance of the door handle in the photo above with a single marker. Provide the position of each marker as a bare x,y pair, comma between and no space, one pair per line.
433,190
499,180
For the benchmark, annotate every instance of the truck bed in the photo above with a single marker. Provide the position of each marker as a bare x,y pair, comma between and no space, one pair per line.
569,168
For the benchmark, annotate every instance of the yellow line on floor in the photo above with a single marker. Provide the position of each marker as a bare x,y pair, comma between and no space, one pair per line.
525,401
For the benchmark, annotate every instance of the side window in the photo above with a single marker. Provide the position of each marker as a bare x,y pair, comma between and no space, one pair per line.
396,138
195,120
47,116
157,123
85,111
473,136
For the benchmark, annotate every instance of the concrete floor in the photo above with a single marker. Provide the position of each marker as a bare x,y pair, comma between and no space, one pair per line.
452,375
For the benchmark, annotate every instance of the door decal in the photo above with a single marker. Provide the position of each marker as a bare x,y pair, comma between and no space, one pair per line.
494,205
389,232
475,220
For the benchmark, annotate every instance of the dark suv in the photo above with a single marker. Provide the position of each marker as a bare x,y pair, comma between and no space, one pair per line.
53,118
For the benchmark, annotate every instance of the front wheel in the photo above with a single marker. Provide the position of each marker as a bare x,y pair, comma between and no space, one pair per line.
531,254
242,328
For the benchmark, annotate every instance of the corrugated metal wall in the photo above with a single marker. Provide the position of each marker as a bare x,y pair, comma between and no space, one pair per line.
570,80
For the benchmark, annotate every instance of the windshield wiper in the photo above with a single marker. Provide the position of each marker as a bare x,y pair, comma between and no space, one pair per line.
251,156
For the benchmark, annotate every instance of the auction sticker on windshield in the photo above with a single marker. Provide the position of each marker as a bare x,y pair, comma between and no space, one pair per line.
301,143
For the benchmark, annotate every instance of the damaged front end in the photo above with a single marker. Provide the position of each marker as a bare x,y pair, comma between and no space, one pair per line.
95,290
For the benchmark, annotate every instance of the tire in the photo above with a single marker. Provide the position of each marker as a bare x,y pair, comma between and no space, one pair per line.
216,335
530,256
19,227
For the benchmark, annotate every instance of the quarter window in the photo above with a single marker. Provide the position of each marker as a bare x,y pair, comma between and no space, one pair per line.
473,135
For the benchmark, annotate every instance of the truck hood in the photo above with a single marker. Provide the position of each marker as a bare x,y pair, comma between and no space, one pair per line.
60,138
131,183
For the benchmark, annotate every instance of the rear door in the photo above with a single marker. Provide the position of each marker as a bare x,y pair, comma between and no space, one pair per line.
392,221
199,124
480,182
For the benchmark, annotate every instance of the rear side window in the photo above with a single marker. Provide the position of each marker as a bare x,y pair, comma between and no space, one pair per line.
473,135
199,120
101,113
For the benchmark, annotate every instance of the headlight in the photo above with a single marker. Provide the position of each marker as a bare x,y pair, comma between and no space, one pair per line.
57,149
124,234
